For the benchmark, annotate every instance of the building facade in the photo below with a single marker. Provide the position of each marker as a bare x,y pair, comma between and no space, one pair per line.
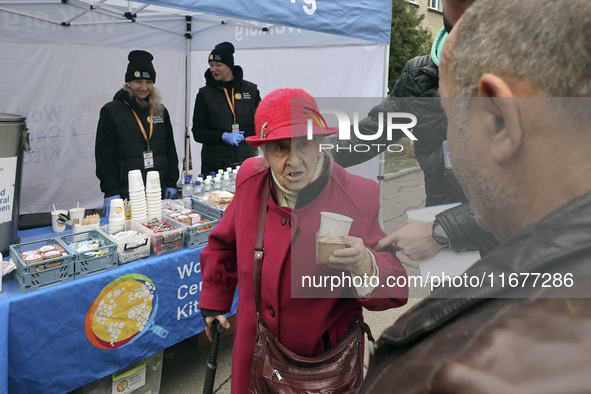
433,11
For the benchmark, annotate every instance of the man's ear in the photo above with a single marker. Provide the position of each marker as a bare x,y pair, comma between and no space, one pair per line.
504,123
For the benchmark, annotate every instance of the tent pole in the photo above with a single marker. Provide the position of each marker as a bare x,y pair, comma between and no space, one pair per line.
383,154
82,13
188,97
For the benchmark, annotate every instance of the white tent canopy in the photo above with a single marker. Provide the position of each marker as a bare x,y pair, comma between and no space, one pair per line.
63,61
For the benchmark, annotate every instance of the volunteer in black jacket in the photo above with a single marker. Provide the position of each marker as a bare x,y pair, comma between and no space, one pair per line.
224,112
135,133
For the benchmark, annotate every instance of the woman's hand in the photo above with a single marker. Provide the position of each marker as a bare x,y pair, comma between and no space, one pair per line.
209,324
354,258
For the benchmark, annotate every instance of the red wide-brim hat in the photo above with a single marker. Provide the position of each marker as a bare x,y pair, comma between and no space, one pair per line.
287,113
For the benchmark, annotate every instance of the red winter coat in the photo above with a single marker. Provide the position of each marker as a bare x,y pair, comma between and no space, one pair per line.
299,323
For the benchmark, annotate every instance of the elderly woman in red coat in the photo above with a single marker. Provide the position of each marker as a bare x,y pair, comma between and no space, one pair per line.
304,181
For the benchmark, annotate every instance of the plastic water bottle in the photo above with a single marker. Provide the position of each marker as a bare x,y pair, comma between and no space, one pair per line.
233,179
227,184
207,187
198,189
187,192
217,183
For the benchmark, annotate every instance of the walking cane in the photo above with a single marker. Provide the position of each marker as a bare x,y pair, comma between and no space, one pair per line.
213,355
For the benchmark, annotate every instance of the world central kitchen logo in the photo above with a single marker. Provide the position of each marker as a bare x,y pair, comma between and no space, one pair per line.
387,123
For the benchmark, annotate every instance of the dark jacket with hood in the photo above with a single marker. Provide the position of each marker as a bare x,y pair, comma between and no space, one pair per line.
416,93
120,145
213,117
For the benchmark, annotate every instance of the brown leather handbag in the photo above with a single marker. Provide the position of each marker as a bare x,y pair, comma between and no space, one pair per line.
276,369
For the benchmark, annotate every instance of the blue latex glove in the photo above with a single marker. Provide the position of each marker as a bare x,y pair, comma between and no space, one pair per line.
233,138
107,204
169,193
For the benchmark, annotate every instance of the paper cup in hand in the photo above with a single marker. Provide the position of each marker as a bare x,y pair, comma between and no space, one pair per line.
331,235
326,246
57,227
135,181
77,215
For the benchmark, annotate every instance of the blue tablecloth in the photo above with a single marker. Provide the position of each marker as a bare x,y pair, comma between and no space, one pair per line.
53,340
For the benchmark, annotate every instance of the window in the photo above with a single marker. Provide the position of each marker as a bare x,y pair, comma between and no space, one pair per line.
436,5
415,2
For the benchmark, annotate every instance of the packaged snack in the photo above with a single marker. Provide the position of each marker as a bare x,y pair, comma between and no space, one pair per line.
195,218
203,225
46,248
158,226
54,264
219,199
33,258
86,246
184,219
52,254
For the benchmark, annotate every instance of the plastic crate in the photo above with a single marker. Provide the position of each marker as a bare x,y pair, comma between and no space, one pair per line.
129,249
167,241
196,235
37,276
85,263
201,207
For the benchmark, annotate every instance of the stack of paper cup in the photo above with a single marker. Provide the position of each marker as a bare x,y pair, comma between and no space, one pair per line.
117,210
153,195
117,213
137,196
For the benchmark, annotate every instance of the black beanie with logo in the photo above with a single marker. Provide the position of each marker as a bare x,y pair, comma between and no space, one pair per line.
223,53
140,66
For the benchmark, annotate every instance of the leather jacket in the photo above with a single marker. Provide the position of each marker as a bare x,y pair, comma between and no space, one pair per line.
505,338
463,232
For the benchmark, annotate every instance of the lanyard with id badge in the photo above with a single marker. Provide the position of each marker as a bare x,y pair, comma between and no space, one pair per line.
148,154
232,104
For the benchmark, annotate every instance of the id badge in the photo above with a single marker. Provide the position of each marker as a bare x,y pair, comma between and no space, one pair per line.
235,127
446,159
148,159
